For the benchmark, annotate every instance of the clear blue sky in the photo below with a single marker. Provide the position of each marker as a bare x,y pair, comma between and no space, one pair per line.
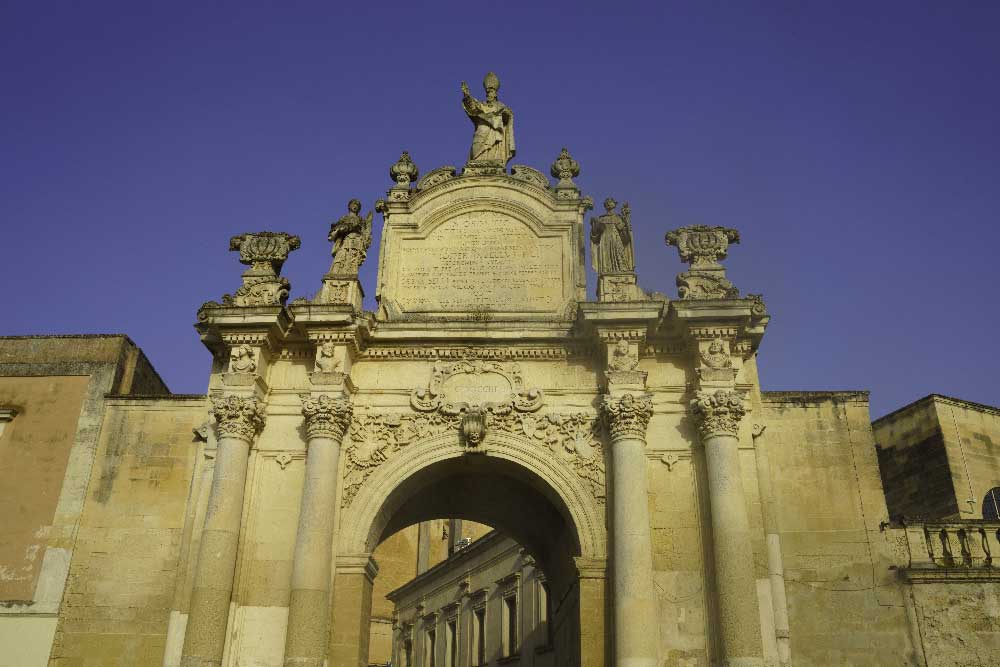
854,145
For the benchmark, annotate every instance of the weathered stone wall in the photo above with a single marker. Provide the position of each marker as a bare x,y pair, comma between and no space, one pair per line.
959,623
122,576
972,438
844,604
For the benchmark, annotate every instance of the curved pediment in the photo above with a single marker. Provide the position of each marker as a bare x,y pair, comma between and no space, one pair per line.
481,248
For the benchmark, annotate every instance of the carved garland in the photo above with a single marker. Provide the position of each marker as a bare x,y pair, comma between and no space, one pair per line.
718,413
326,416
374,438
238,417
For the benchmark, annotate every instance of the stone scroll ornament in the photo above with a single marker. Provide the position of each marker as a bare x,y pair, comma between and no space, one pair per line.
718,413
627,416
238,417
702,247
265,253
326,416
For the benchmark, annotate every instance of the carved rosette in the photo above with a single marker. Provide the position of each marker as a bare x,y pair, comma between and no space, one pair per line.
627,416
326,416
718,413
238,417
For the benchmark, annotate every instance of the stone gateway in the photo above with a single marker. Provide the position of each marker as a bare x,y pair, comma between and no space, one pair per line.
492,468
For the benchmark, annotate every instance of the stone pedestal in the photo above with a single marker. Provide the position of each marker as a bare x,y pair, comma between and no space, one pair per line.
619,287
240,419
345,289
719,414
634,594
350,630
307,639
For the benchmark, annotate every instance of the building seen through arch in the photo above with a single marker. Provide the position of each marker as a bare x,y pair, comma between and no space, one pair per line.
630,495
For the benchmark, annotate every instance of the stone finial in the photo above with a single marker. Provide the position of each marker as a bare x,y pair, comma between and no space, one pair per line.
404,171
627,416
565,168
265,253
702,247
238,417
327,416
718,413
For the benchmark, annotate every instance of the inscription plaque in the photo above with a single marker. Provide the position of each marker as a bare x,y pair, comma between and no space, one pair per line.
481,261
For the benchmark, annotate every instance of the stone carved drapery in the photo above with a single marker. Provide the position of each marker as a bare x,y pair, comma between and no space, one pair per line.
719,412
238,417
374,438
493,138
351,236
627,416
326,416
611,248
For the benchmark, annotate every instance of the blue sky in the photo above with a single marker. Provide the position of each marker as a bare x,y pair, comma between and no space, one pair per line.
854,145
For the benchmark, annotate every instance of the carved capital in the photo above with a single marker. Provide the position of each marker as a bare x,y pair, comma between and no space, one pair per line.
238,417
326,416
627,416
718,413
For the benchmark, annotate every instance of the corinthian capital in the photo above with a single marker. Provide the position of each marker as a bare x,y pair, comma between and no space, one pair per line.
326,416
627,416
718,413
238,417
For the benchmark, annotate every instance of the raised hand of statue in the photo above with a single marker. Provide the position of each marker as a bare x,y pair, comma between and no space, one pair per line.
465,89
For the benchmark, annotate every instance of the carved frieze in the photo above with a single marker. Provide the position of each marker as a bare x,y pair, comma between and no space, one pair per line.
436,177
238,417
718,413
526,174
326,416
627,416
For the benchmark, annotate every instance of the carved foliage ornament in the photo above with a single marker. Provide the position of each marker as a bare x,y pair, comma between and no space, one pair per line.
702,246
265,252
238,417
326,416
482,383
718,413
627,416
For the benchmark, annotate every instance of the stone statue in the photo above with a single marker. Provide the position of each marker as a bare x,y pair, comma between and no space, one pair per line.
241,360
325,358
351,236
611,240
716,357
493,139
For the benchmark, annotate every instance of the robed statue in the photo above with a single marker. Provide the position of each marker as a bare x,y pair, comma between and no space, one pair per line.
611,240
351,236
493,138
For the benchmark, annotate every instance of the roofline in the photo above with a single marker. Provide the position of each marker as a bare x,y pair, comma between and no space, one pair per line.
477,545
932,398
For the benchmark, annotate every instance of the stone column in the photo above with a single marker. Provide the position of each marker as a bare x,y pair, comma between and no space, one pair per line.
632,546
718,415
239,419
327,419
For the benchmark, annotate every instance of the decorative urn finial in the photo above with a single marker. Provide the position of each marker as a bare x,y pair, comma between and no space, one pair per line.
404,171
565,168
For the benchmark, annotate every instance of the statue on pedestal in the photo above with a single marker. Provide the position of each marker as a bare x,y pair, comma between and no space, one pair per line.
611,240
493,138
351,236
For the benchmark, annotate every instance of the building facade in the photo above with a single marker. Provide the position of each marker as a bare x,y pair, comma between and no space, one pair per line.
681,515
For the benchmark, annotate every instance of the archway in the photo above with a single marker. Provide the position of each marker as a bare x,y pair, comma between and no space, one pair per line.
508,483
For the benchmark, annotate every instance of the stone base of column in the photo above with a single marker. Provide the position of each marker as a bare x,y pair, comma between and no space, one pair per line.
308,614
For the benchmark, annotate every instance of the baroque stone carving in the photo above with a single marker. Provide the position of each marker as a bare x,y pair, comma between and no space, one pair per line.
351,236
265,253
283,459
528,175
326,416
623,357
436,177
702,247
404,171
718,413
565,168
473,426
242,360
487,384
716,364
493,137
374,438
627,416
611,240
238,417
325,358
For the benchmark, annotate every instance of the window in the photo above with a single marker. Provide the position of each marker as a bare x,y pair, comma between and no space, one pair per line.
479,636
544,613
431,646
510,625
991,504
451,655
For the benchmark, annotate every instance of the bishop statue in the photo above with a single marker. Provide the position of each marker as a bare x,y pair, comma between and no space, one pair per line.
493,138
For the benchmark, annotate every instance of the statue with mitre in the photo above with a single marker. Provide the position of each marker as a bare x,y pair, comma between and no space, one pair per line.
493,138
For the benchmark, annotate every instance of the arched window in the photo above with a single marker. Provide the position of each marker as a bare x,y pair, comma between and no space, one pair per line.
991,504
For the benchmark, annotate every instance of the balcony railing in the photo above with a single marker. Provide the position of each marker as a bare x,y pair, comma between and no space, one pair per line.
969,548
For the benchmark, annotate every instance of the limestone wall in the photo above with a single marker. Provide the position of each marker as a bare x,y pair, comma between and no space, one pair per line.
844,604
123,573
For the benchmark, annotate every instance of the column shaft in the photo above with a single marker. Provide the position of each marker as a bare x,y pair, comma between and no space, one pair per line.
308,608
739,615
212,593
